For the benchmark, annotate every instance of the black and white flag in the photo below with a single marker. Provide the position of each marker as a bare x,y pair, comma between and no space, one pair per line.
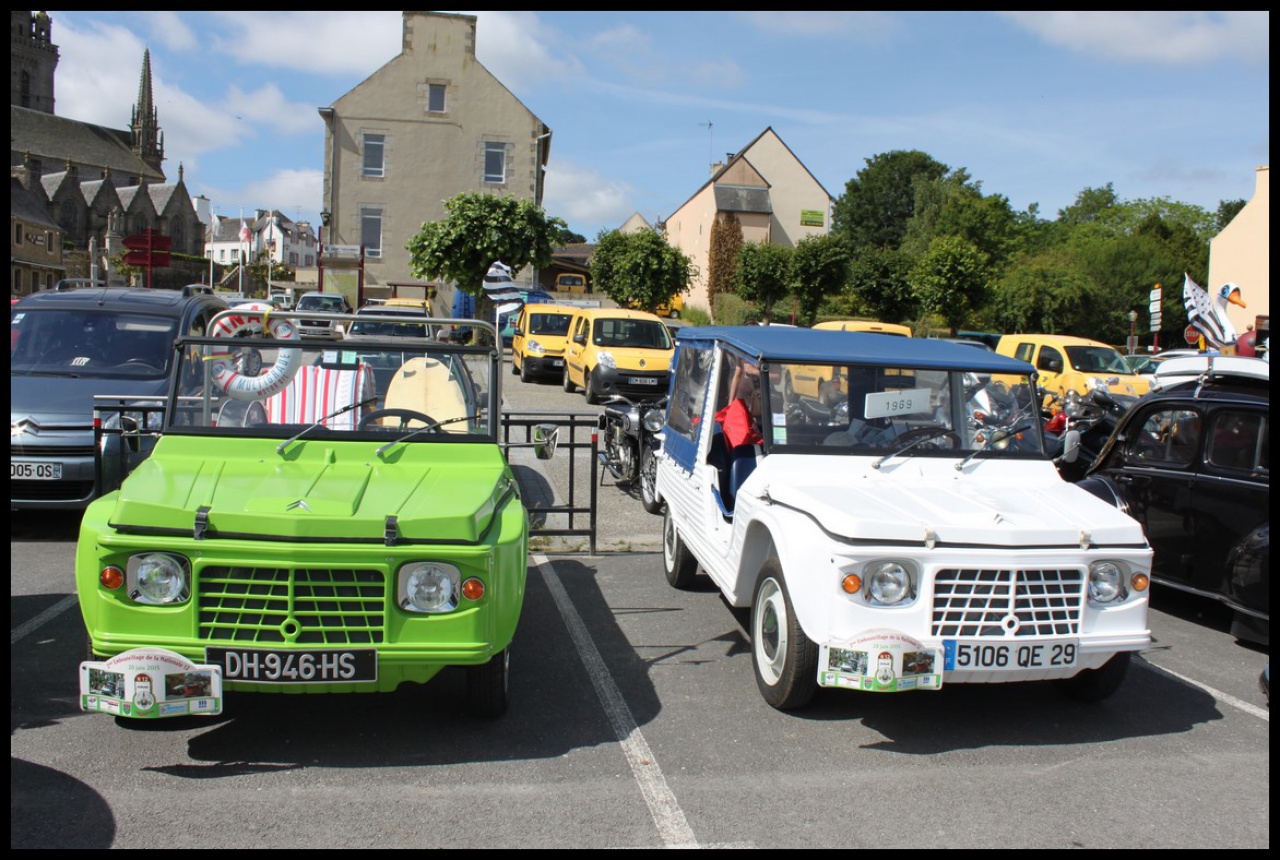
1204,317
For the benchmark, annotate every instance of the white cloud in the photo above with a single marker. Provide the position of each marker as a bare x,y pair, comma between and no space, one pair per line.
1175,38
319,43
862,26
170,30
267,107
586,200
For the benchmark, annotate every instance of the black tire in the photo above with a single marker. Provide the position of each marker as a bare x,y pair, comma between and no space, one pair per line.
678,563
649,479
525,374
567,383
515,371
1094,685
589,387
784,659
675,315
487,686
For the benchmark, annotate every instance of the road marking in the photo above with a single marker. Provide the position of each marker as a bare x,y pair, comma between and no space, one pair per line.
1218,695
49,614
669,818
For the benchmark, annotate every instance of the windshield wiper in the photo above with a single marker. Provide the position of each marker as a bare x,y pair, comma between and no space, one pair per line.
923,437
996,436
344,410
406,437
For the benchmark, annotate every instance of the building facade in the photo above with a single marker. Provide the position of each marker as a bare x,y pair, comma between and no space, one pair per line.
1241,254
773,195
430,124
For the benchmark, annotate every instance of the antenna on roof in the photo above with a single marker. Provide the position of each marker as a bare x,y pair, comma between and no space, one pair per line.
710,138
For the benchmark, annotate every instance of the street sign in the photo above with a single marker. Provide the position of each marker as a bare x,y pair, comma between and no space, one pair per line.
1154,307
1155,294
149,250
1191,335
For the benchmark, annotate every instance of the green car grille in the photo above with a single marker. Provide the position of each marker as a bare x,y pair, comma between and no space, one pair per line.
301,606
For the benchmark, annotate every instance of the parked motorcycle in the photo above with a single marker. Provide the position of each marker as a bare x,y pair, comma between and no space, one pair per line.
631,444
1094,416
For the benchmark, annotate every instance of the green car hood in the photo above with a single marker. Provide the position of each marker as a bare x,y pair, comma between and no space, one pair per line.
315,491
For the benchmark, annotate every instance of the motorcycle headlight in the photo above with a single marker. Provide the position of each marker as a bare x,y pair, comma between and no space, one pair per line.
159,578
889,583
428,586
1106,582
653,420
606,360
534,348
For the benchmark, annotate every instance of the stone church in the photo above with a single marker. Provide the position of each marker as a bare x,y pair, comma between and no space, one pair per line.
76,188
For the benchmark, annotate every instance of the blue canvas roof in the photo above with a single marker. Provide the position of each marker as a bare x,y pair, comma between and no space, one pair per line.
813,346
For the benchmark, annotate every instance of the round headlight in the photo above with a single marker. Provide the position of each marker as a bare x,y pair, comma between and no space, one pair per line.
653,420
1106,582
429,587
158,577
888,582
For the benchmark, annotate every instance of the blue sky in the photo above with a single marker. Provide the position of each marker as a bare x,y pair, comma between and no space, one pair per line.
1034,105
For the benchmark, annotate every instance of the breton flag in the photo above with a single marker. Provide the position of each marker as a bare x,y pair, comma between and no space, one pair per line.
1204,317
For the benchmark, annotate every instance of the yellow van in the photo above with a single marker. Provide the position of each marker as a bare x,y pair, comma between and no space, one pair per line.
672,309
538,340
617,351
866,325
1066,363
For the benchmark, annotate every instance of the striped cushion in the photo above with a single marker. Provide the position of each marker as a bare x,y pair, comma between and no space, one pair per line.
317,391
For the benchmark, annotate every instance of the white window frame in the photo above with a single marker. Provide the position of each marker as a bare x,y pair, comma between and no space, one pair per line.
369,214
369,141
493,147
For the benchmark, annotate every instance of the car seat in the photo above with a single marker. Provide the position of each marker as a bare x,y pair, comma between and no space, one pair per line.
317,390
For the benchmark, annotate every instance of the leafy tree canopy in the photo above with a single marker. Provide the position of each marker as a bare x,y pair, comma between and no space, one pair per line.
950,280
764,274
639,269
880,199
819,269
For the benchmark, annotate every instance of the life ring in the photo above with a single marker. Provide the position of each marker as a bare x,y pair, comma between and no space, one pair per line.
238,386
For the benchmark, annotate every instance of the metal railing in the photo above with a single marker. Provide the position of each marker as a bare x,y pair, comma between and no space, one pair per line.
569,507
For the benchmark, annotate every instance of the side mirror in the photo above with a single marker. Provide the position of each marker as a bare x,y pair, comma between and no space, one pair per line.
1053,365
1071,446
545,438
517,332
580,339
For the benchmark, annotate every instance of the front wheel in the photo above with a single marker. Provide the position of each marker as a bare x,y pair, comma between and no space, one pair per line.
525,374
785,661
1094,685
487,686
678,563
649,479
589,386
566,382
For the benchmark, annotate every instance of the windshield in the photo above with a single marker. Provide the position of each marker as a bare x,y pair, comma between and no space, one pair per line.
834,409
1096,359
334,304
85,343
549,323
625,331
380,328
376,389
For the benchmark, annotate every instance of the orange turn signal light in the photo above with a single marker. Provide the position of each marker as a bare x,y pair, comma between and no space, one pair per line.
1140,582
111,577
473,589
851,584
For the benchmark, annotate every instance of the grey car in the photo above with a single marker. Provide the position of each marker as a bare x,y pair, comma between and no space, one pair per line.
68,345
325,303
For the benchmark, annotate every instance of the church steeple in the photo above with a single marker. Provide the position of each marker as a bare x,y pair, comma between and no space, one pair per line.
148,140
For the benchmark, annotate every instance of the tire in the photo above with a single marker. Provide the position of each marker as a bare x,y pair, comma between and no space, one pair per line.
515,371
589,387
785,661
678,563
566,382
525,374
1094,685
675,315
487,686
649,479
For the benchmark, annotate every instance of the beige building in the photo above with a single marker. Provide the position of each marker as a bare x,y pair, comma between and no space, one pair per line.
430,124
1241,254
774,196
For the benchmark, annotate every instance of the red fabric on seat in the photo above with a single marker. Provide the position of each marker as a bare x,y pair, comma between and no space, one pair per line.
739,428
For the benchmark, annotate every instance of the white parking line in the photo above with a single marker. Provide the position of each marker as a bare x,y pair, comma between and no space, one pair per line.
1218,695
48,615
669,818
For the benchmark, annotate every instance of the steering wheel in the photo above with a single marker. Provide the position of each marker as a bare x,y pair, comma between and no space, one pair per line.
405,416
142,361
935,430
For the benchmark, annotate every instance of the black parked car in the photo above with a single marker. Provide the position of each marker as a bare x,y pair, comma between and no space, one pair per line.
1192,463
69,344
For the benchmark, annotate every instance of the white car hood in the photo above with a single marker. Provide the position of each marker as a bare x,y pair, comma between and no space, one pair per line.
989,503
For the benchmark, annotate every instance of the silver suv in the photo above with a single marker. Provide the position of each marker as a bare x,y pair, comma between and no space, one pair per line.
327,303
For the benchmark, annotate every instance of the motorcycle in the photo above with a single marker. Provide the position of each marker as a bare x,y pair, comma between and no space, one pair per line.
1093,416
631,444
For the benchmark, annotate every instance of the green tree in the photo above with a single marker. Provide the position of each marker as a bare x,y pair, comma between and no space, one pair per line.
639,269
723,253
1227,210
1044,294
764,275
479,230
819,269
879,201
950,280
879,286
953,206
1091,205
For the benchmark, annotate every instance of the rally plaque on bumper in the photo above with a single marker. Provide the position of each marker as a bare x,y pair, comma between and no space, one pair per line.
882,661
149,683
259,666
